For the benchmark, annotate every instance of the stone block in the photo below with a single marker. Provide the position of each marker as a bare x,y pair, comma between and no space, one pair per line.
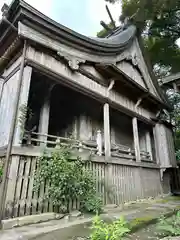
59,216
27,220
36,218
9,223
75,214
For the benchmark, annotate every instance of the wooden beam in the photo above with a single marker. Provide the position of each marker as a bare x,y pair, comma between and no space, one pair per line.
175,87
107,140
136,139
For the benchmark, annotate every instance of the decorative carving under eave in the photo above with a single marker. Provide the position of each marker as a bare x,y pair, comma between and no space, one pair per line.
163,115
131,57
134,58
73,61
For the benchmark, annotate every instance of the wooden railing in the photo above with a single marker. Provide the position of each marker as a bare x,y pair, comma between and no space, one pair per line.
40,139
94,146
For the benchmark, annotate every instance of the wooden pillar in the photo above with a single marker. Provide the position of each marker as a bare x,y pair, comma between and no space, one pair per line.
44,120
136,139
156,144
107,139
149,145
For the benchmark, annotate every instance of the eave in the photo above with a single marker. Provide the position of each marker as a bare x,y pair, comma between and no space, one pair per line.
170,79
152,75
21,11
115,73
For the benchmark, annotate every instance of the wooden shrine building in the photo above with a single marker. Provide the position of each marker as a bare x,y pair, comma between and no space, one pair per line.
57,85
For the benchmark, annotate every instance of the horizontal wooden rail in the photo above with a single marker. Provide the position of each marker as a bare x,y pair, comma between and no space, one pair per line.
118,151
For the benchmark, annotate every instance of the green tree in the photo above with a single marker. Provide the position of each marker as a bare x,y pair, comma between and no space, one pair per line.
158,22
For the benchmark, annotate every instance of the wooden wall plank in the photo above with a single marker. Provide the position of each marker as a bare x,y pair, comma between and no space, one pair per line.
30,186
18,187
24,188
11,185
132,72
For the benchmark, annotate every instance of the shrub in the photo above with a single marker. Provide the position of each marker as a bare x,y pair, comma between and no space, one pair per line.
92,204
169,227
104,231
68,179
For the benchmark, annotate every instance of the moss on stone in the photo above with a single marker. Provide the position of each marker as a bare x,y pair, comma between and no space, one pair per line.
141,221
168,199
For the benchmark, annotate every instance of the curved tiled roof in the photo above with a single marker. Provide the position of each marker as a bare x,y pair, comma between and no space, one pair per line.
117,42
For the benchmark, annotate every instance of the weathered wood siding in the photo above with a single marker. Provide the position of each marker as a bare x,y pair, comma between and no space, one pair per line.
85,84
131,72
164,146
134,54
7,97
126,183
7,100
144,69
170,145
6,108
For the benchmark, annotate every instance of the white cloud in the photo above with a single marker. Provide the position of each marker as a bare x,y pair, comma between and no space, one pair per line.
95,10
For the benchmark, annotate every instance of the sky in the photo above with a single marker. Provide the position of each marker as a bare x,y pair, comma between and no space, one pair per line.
84,16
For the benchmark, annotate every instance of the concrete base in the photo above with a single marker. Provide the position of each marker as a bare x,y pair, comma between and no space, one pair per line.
27,220
138,217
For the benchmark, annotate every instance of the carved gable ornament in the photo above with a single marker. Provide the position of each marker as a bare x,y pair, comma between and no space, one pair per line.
133,57
72,60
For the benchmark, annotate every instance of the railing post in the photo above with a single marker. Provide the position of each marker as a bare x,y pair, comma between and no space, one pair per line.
29,138
99,143
107,140
80,147
58,142
136,139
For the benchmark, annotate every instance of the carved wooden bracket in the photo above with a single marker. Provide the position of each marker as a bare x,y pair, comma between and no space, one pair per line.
130,56
73,61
